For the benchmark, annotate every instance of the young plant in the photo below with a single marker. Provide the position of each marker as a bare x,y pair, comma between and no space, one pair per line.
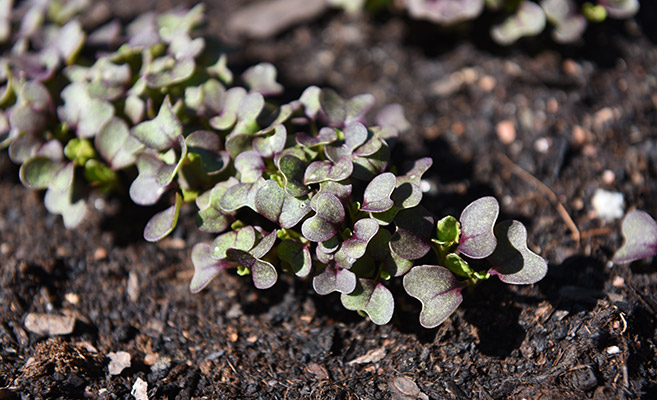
640,235
303,187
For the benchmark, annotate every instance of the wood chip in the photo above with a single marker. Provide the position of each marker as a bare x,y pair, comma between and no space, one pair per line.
118,362
375,355
49,324
402,388
320,372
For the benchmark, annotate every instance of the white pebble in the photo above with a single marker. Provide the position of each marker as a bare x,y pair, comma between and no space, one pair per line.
608,205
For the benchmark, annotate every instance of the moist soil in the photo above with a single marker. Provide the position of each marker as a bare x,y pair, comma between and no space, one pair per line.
539,126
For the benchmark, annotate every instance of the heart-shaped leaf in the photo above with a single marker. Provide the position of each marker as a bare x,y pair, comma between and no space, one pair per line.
210,216
329,215
334,279
67,204
262,78
145,189
241,195
163,223
42,172
206,266
326,135
324,170
249,109
372,298
161,133
512,261
310,101
293,169
438,291
640,235
377,193
272,202
250,166
392,116
411,239
264,274
477,221
243,239
366,168
355,134
207,145
364,231
340,112
296,256
529,20
116,145
230,104
87,115
167,70
268,146
339,190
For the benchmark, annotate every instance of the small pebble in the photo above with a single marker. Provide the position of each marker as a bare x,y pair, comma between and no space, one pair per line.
118,362
542,145
612,350
49,324
487,83
608,205
506,131
608,177
618,282
100,254
140,390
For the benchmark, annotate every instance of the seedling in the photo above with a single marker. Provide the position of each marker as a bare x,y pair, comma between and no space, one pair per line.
303,187
640,233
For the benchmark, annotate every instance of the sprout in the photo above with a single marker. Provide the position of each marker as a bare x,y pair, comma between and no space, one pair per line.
640,234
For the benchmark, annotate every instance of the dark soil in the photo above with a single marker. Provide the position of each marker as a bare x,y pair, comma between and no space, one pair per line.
585,118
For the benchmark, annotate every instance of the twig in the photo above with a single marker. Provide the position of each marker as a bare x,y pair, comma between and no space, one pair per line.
547,192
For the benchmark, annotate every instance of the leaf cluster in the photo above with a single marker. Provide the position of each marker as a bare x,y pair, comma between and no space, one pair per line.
567,18
303,187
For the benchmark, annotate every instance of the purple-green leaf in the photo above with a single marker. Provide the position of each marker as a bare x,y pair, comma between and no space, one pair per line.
334,279
167,70
262,78
145,189
339,190
116,145
242,239
364,231
269,146
392,116
324,170
355,134
528,20
411,240
264,274
272,202
640,235
372,298
85,114
66,204
293,169
296,255
329,215
377,193
250,165
207,145
241,195
206,266
340,112
210,216
512,261
230,104
438,291
325,135
477,221
41,173
445,11
163,223
162,132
